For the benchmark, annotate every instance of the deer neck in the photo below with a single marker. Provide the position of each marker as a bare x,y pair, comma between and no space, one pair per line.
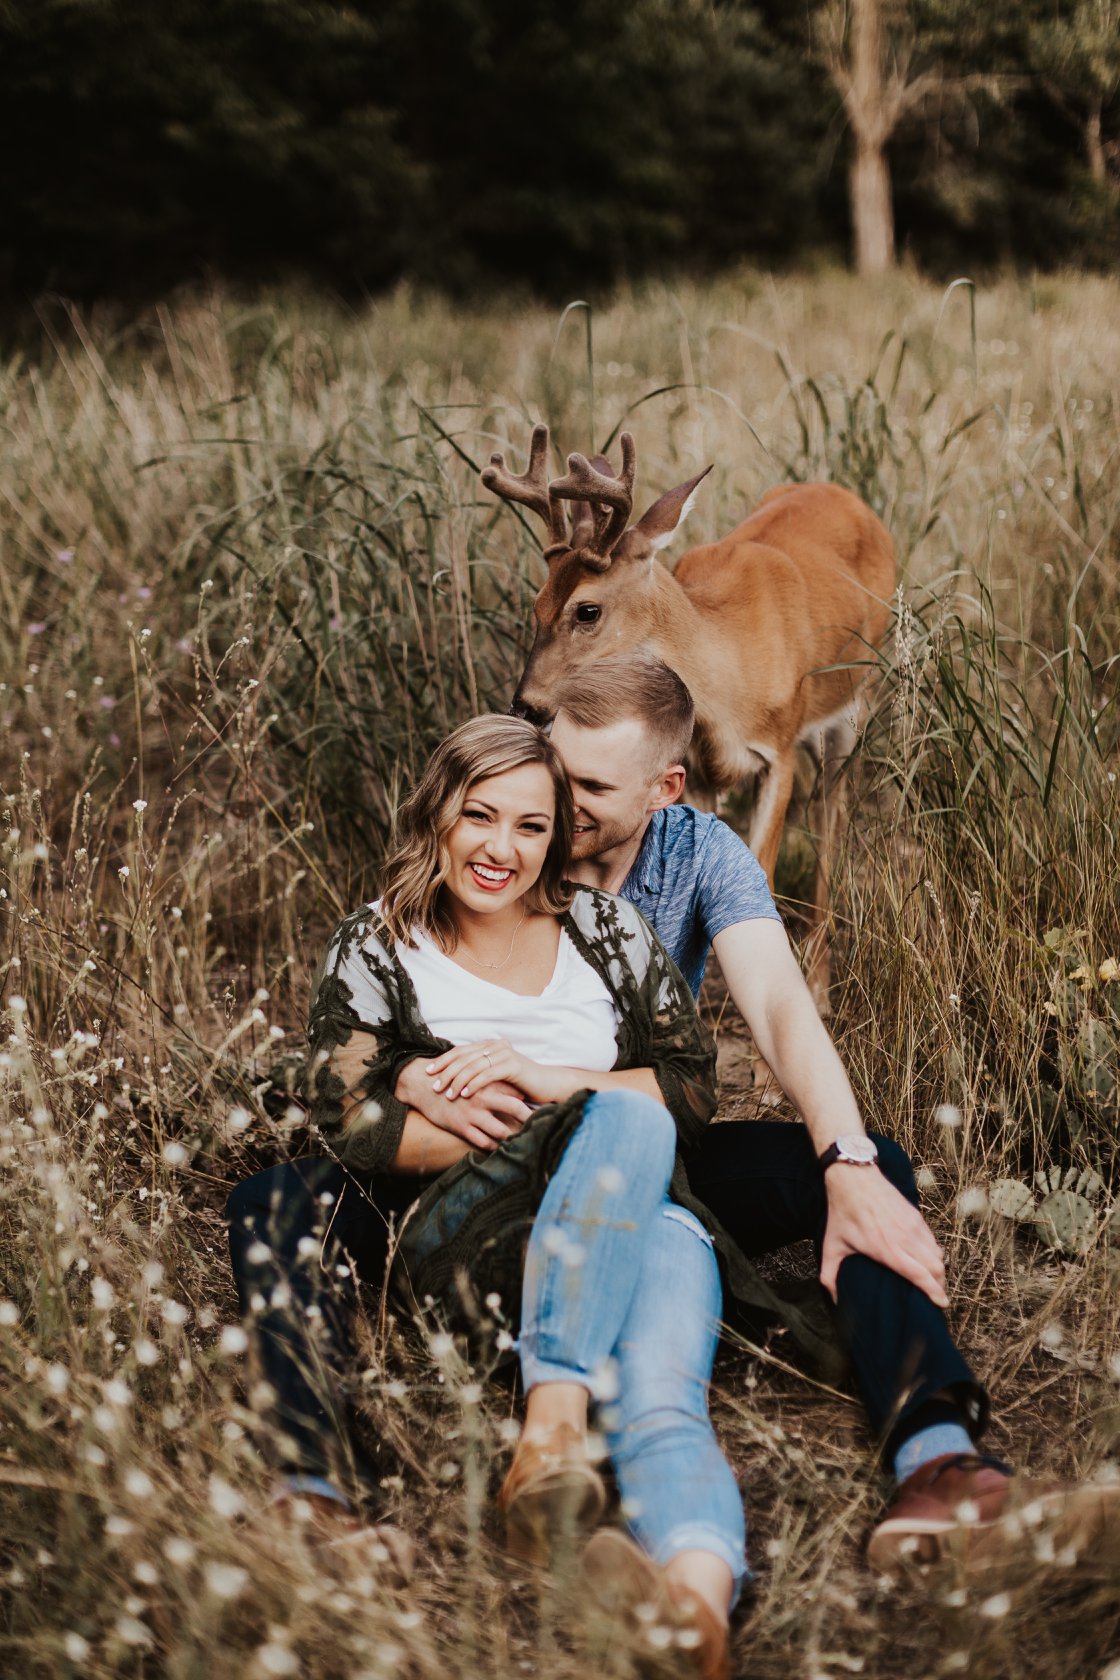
695,645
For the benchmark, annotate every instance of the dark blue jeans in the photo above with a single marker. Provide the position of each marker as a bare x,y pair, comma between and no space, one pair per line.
304,1234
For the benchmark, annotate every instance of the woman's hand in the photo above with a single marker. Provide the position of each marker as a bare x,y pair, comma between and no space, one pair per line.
467,1068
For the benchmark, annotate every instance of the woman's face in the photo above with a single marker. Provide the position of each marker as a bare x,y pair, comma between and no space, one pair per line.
498,846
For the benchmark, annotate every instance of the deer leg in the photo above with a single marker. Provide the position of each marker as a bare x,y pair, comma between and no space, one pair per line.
768,818
767,822
828,814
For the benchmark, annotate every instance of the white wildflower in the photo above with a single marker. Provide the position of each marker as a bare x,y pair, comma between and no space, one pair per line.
131,1631
9,1313
174,1155
948,1115
277,1659
178,1551
973,1202
75,1647
139,804
996,1606
138,1484
225,1501
226,1580
233,1339
58,1379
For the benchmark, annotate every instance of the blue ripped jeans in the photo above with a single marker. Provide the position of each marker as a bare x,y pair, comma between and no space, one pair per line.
622,1295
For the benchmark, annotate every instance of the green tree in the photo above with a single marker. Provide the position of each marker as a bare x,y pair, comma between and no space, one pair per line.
1074,50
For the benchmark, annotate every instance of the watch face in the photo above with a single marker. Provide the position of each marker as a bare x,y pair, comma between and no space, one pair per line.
856,1147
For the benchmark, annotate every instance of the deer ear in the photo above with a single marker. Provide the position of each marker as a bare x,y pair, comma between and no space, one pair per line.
657,524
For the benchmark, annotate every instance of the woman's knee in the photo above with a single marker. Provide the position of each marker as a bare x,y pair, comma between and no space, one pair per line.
632,1126
895,1164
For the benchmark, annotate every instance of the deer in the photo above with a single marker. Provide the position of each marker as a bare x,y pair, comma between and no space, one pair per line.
773,629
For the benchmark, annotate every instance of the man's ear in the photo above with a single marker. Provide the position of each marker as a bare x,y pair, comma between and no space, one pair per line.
668,788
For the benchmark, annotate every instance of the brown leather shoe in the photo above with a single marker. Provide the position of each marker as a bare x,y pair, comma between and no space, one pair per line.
970,1507
552,1492
631,1589
343,1538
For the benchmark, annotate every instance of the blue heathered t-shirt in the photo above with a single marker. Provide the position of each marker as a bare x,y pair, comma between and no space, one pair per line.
692,878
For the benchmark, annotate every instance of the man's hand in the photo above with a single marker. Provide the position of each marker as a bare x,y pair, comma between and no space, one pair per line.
483,1120
867,1215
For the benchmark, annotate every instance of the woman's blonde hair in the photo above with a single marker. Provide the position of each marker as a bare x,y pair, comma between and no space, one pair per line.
417,864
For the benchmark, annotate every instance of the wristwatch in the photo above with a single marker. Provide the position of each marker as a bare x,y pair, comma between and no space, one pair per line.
853,1147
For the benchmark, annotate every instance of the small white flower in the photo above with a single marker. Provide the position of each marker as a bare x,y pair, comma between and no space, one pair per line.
277,1659
146,1353
139,804
146,1573
9,1314
178,1551
233,1339
948,1115
58,1379
174,1155
138,1484
103,1293
225,1580
118,1393
996,1606
131,1631
75,1647
123,872
239,1119
225,1501
973,1202
17,1005
174,1312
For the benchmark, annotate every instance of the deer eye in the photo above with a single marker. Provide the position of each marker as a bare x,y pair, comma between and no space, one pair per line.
588,613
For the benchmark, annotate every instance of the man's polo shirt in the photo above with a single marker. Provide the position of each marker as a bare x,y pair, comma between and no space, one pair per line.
692,878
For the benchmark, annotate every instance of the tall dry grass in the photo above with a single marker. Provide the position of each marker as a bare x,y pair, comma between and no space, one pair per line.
246,579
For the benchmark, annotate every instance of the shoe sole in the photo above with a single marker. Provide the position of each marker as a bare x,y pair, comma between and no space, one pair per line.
1073,1517
554,1514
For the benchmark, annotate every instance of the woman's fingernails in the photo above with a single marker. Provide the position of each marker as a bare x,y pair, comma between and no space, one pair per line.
436,1085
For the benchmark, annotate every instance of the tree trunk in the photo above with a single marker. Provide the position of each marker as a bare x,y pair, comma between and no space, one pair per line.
1093,147
870,183
872,213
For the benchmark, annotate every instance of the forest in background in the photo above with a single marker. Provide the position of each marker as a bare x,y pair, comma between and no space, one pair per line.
475,143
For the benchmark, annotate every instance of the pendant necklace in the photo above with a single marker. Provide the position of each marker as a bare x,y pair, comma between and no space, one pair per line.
478,962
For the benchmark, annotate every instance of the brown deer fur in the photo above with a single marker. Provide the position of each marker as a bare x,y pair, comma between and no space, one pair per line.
773,628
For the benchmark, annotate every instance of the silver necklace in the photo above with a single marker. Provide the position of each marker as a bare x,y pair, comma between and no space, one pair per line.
478,962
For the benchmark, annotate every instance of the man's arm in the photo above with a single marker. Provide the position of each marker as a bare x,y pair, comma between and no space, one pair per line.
866,1214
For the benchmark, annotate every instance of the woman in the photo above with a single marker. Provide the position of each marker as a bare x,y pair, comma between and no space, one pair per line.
480,958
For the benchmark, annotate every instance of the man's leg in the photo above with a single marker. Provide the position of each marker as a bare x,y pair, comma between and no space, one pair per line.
762,1182
302,1234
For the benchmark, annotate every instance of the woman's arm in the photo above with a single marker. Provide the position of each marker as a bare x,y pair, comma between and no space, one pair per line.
468,1068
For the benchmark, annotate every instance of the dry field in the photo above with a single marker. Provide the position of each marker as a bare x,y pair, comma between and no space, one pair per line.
246,578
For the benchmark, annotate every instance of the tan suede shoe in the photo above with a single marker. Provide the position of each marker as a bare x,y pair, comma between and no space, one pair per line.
630,1587
552,1495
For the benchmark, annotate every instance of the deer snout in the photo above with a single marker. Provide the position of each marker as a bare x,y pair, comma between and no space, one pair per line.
532,714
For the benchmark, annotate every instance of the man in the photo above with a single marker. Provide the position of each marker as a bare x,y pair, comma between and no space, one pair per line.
622,733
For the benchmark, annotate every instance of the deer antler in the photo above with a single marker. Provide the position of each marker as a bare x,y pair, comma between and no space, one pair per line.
530,488
612,498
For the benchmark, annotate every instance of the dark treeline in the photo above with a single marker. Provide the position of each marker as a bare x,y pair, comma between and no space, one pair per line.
466,142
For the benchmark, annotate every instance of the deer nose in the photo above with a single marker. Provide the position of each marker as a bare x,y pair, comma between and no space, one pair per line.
532,714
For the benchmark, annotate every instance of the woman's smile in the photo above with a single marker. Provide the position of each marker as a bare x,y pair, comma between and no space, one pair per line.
489,877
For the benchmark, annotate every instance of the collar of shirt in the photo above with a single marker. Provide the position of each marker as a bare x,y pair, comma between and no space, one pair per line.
647,870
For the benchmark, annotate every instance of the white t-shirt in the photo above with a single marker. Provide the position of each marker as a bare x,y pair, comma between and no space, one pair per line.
572,1023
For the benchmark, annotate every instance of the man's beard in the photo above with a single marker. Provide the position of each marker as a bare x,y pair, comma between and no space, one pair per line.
603,837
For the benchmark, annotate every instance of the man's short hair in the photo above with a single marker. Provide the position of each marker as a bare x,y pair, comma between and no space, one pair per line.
633,685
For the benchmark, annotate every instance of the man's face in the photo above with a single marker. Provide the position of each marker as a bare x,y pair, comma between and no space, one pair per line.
612,782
